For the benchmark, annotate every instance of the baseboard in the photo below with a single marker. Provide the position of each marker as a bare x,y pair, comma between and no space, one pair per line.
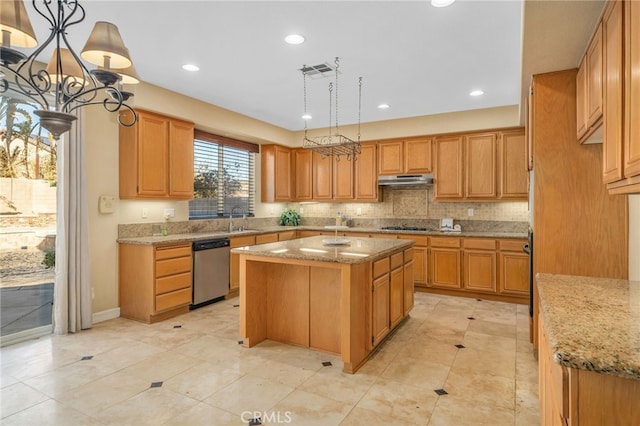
105,315
22,336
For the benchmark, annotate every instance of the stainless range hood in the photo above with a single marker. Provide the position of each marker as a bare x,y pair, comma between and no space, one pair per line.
406,180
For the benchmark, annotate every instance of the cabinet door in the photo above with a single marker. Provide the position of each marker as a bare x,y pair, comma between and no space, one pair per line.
153,155
342,179
448,168
380,308
304,176
480,271
594,79
417,156
445,268
234,261
322,177
180,159
408,287
514,177
514,274
390,160
581,99
366,178
632,136
420,266
275,173
613,86
481,166
396,296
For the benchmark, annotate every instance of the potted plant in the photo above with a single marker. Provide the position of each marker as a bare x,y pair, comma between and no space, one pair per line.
289,218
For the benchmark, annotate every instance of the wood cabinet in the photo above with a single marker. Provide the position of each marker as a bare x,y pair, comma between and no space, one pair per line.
445,263
154,282
589,91
365,174
419,256
302,159
380,323
408,281
621,151
513,264
479,265
396,290
155,157
409,156
480,166
343,182
514,176
448,168
234,261
276,173
322,177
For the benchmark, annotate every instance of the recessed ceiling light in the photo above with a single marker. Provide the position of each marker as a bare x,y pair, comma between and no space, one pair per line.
441,3
294,39
190,67
306,117
476,93
383,106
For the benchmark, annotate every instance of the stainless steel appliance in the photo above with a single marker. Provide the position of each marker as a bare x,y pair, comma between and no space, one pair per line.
210,271
406,180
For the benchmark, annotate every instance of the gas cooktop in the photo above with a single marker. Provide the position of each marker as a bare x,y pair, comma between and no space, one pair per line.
404,228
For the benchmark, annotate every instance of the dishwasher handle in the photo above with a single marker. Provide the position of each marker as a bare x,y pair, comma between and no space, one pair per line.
210,244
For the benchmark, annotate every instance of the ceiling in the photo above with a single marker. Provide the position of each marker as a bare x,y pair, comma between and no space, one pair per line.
419,59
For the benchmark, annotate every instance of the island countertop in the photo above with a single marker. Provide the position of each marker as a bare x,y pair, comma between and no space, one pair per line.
322,249
592,323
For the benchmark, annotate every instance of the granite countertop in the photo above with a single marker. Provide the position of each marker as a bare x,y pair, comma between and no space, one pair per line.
592,323
322,249
182,238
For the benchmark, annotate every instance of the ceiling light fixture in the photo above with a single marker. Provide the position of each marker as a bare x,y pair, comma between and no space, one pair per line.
294,39
442,3
334,144
383,106
306,116
191,67
65,79
476,93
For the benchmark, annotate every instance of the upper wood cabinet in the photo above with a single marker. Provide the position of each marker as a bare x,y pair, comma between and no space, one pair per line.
514,176
276,173
480,166
156,157
302,159
365,176
448,168
621,151
409,156
589,92
322,177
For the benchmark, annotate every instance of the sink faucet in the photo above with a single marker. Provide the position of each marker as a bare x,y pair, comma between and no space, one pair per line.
244,217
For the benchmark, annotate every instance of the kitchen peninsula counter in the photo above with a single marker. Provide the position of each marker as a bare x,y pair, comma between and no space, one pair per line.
337,298
589,353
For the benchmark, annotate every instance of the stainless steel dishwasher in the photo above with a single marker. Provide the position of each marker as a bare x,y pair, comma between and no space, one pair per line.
210,271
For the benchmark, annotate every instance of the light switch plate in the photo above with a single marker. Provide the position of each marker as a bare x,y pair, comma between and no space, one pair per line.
106,204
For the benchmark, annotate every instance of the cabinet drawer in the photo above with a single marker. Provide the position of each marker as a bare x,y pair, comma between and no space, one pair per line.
247,240
380,267
479,244
169,252
173,266
512,245
173,282
445,242
173,299
408,255
396,260
421,240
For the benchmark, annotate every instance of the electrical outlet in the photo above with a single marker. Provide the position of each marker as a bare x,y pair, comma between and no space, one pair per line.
169,213
301,210
359,211
145,213
470,212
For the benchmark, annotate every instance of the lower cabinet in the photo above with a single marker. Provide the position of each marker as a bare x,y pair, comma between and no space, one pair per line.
154,282
479,265
445,263
234,261
408,279
514,268
419,257
396,289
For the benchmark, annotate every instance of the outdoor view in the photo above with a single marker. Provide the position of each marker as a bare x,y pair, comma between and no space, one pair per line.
27,219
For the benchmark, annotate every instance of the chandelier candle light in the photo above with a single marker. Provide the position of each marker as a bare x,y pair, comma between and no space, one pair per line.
66,83
335,143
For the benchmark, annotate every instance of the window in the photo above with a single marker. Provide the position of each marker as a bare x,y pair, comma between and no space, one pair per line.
224,176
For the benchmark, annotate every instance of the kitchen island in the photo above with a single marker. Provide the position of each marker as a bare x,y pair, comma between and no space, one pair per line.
589,356
338,295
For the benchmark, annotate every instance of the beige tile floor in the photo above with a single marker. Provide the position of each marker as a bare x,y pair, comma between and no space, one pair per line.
207,378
